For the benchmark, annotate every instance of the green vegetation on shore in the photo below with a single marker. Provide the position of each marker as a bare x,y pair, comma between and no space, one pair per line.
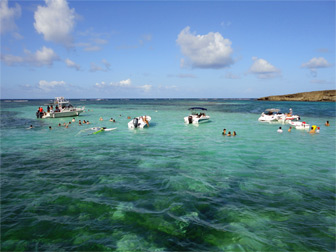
325,95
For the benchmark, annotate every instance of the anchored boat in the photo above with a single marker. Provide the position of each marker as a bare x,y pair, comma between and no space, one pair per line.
274,115
197,115
139,122
60,108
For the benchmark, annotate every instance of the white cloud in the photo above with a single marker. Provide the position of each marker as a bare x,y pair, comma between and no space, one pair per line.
316,63
100,85
125,84
45,85
94,67
263,69
145,88
7,16
55,21
45,56
205,51
72,64
93,41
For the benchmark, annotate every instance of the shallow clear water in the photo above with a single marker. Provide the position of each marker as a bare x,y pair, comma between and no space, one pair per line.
170,186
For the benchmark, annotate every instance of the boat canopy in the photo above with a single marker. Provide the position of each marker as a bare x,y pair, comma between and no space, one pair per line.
272,110
193,108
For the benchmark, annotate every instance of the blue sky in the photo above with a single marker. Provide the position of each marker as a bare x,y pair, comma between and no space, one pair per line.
165,49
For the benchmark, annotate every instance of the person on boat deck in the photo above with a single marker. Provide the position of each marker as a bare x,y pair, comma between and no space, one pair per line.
229,134
312,130
145,120
224,132
41,110
327,123
280,130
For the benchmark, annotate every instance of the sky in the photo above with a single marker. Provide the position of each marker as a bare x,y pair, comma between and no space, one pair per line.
165,49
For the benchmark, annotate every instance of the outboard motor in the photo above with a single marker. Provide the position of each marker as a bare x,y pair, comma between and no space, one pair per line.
190,119
135,122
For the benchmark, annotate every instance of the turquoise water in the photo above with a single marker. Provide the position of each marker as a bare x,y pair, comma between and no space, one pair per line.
169,187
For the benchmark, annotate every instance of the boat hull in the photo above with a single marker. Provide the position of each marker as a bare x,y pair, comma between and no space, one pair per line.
138,122
196,119
64,114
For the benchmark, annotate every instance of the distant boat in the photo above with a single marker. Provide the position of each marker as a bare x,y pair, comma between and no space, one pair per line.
194,117
60,108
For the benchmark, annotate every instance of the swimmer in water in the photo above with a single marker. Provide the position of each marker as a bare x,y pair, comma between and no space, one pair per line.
224,132
312,130
234,133
290,129
229,134
280,130
327,123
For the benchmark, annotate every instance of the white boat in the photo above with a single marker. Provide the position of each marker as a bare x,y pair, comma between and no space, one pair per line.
60,108
196,117
270,115
139,122
301,125
274,115
289,117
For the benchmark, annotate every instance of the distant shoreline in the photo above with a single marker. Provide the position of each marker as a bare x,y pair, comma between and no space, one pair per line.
318,96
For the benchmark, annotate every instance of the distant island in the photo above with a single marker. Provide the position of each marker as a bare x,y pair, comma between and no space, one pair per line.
325,95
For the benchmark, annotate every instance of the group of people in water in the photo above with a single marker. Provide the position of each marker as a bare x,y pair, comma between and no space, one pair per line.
229,133
80,122
312,130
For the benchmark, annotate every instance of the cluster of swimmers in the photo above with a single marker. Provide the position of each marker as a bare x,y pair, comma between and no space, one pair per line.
312,130
80,122
229,133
